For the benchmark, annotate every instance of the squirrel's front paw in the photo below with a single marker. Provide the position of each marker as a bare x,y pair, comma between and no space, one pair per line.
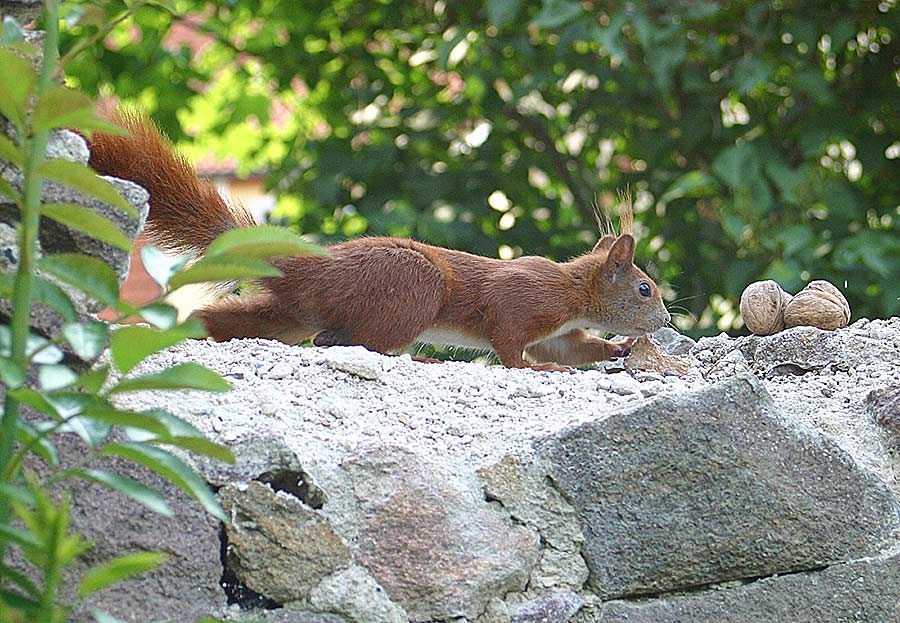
620,349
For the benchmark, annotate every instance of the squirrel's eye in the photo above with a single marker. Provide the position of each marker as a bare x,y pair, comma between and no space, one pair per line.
644,289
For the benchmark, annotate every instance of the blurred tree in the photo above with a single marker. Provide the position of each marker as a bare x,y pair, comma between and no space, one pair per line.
761,138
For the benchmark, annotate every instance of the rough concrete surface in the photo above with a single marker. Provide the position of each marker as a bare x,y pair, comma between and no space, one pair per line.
754,483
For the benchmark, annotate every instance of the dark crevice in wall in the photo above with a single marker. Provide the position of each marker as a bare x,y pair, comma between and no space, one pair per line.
702,588
236,592
295,483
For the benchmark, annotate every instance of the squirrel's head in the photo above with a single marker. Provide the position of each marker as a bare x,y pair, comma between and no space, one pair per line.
626,301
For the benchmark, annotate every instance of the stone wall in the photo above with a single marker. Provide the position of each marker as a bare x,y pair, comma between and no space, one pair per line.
759,486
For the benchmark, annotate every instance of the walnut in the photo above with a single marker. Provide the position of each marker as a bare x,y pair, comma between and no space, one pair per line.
819,304
762,307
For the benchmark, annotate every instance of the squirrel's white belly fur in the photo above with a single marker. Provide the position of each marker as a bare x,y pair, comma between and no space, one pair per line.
446,336
449,336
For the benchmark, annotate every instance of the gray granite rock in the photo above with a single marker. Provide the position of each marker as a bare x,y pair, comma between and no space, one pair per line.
353,593
457,551
672,342
797,351
884,406
280,615
866,591
57,238
713,485
67,145
44,320
23,10
552,608
186,586
278,546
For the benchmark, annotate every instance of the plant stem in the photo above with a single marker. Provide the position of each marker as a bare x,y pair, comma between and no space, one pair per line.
100,34
29,215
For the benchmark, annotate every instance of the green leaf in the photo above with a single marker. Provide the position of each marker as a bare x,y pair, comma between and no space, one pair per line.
93,379
43,447
691,184
10,152
54,377
131,345
261,242
733,225
181,376
70,403
47,292
813,83
16,81
67,108
841,32
751,71
19,580
87,339
201,445
86,220
84,179
737,165
786,179
128,486
60,107
161,266
92,430
795,239
19,602
170,467
118,569
22,538
20,495
176,426
502,12
11,373
40,350
88,274
7,190
161,315
168,5
107,414
556,13
35,400
223,268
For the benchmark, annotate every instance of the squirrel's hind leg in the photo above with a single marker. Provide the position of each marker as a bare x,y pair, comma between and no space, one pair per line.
253,315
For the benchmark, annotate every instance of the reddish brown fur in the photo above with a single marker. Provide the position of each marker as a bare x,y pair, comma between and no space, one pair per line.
187,213
384,293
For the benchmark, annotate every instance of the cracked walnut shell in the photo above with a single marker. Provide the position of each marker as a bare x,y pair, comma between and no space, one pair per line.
819,304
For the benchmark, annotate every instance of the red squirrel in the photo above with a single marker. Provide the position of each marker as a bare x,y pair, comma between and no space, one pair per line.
385,293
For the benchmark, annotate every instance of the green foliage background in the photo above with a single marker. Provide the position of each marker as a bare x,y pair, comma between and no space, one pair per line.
761,138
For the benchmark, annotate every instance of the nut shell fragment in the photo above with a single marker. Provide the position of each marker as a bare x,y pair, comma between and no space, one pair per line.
646,355
762,307
819,304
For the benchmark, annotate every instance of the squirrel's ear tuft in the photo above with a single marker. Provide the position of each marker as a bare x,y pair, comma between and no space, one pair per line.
604,244
622,251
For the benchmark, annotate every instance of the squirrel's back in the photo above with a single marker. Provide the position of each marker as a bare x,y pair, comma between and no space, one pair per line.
186,213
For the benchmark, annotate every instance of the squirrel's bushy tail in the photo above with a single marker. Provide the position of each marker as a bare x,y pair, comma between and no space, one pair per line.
186,213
